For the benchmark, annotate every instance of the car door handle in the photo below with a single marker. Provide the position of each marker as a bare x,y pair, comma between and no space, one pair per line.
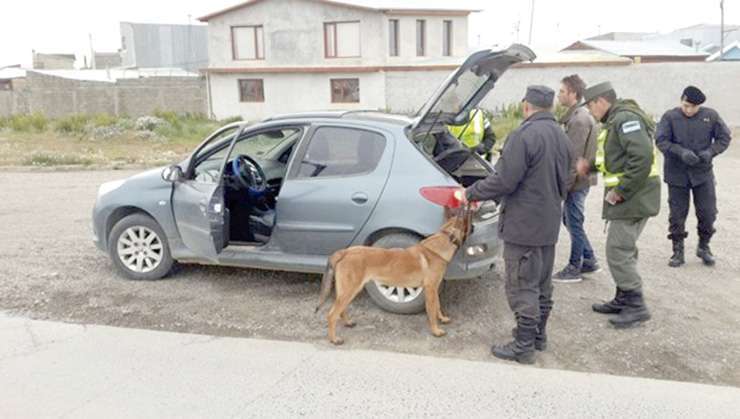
359,198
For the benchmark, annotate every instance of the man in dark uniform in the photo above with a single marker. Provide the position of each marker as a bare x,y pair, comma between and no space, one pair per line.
690,136
531,180
625,156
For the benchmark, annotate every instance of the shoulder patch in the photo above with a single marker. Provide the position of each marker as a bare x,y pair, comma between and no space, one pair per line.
630,126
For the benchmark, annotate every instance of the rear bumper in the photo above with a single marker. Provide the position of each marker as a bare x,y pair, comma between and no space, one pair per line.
467,266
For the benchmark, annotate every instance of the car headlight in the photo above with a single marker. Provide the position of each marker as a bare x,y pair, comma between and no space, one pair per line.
109,187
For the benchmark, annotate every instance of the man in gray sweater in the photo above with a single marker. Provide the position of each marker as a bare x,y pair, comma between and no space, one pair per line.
582,130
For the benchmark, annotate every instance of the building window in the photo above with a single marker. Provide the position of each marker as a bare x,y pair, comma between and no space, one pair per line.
393,31
341,39
421,37
248,42
345,90
251,90
335,151
447,38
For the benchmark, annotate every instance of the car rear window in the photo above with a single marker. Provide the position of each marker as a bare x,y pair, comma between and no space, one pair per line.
335,151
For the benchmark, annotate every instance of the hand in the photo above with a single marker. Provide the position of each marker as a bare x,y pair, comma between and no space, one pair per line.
461,196
706,155
613,197
583,167
688,157
481,149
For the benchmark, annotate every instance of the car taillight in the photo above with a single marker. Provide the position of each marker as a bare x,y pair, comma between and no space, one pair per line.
446,196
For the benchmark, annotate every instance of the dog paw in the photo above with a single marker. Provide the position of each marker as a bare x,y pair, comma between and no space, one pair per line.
350,324
439,333
445,320
338,341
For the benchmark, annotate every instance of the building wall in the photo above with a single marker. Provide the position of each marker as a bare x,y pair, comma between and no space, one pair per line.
287,93
156,46
53,61
434,38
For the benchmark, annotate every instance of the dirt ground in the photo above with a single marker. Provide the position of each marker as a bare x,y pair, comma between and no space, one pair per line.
50,269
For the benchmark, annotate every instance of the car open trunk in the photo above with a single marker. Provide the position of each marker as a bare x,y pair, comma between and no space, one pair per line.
462,91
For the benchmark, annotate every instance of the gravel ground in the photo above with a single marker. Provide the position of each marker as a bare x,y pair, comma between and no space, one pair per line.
50,269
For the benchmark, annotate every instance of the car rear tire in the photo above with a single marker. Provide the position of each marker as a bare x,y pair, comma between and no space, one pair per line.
397,300
138,248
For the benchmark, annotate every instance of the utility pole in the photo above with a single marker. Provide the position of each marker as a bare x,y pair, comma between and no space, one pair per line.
722,30
92,53
531,24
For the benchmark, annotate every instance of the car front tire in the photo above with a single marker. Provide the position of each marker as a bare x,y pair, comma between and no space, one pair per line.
399,300
138,248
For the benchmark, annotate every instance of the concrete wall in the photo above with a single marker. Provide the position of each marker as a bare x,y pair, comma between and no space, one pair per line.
434,39
55,96
155,45
657,87
287,93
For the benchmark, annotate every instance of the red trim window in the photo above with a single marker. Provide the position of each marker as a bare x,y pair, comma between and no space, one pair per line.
345,90
393,37
251,90
248,43
447,38
342,39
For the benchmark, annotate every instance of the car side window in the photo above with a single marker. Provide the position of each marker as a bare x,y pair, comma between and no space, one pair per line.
335,151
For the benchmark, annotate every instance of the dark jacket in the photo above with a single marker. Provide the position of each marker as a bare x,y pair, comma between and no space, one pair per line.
530,181
581,128
629,150
677,132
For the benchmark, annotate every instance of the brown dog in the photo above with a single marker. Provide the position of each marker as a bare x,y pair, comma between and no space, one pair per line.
422,265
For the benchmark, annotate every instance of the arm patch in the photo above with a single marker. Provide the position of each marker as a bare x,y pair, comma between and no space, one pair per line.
631,126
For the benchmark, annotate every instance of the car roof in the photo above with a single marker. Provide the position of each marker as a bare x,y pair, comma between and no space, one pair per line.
354,115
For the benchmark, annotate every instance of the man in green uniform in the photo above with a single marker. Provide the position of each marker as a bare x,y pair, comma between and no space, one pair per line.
625,156
476,133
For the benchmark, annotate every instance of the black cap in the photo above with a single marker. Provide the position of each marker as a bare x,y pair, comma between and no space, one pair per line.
693,95
592,92
540,96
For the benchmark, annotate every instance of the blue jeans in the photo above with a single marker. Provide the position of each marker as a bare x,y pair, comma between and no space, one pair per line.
573,216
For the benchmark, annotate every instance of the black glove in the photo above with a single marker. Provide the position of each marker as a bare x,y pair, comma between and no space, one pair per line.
689,157
481,149
706,155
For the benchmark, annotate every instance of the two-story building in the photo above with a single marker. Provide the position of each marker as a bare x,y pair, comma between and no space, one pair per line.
269,57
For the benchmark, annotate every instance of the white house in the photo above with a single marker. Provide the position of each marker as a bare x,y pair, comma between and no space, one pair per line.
269,57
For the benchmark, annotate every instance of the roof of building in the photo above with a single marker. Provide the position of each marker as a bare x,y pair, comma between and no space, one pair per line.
581,57
7,73
621,36
708,26
112,75
728,48
646,48
375,5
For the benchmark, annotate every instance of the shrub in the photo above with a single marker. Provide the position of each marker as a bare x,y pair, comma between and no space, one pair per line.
27,122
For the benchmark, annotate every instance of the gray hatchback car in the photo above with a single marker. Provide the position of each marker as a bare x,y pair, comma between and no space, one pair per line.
287,192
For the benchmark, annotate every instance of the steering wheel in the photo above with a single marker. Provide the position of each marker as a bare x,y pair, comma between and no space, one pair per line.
249,174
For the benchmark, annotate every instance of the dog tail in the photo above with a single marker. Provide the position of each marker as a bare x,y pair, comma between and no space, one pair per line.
328,279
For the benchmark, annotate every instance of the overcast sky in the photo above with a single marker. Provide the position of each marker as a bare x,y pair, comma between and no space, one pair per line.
64,25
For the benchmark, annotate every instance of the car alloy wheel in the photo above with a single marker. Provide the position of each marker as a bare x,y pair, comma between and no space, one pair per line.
140,249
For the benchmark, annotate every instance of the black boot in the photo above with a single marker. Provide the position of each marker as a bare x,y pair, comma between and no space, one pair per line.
634,311
521,349
540,339
678,258
705,253
612,307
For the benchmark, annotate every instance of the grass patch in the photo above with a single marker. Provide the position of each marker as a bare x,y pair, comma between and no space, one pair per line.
35,122
47,159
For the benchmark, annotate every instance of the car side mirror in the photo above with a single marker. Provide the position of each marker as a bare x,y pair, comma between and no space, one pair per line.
172,174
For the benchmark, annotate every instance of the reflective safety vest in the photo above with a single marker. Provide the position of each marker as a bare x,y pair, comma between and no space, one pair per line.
472,132
612,179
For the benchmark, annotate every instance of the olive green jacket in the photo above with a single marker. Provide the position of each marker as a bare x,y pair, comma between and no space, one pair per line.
629,150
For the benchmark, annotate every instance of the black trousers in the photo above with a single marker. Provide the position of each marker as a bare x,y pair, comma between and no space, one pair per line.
529,279
705,206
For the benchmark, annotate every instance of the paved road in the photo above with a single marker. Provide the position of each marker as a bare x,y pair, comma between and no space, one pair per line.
52,369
